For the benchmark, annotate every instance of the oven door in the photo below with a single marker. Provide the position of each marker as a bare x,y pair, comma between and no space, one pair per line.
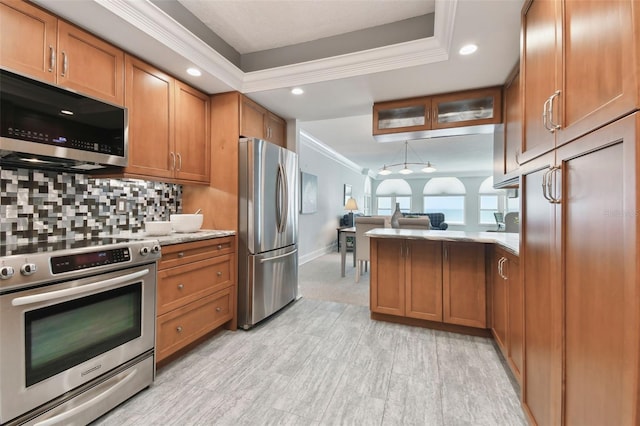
57,337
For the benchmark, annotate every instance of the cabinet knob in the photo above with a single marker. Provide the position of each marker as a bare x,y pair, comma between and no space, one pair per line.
219,246
181,254
219,273
180,286
218,309
179,329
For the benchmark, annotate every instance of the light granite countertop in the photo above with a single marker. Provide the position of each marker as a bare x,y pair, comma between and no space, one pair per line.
178,237
508,241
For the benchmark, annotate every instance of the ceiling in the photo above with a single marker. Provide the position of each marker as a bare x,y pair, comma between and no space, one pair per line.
340,89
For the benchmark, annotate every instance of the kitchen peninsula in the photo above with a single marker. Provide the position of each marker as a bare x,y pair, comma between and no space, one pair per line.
438,279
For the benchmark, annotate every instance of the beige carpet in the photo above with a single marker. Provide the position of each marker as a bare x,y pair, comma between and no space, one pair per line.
320,279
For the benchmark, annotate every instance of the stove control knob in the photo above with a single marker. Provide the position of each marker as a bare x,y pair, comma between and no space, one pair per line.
6,272
144,251
156,249
28,269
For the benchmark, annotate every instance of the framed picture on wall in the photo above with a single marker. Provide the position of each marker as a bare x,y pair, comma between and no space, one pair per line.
347,193
309,193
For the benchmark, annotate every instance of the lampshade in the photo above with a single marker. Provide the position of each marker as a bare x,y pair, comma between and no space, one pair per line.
351,204
405,170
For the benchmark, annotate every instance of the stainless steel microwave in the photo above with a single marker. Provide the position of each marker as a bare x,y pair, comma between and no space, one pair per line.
47,127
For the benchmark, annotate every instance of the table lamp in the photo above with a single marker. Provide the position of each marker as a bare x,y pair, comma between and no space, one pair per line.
351,206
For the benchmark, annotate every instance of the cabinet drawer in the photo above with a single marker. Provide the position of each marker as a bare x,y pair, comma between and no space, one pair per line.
180,254
182,326
184,284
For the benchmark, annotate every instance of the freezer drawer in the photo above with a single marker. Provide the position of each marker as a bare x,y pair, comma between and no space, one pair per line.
271,283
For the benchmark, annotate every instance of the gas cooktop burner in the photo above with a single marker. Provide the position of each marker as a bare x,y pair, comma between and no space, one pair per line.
47,246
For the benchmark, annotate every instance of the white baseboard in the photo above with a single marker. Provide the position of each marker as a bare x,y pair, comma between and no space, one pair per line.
316,253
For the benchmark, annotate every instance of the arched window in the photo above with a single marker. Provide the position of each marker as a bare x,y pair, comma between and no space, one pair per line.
445,195
390,192
493,201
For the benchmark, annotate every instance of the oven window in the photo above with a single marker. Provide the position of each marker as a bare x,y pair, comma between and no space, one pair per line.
61,336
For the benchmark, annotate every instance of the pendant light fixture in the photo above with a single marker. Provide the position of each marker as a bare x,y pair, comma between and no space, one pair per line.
386,169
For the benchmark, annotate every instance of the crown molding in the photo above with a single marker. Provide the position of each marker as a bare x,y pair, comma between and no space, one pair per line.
148,18
328,152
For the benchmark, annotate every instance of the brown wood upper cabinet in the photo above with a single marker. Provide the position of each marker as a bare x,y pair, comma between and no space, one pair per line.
578,70
168,126
507,143
429,280
468,108
52,50
258,122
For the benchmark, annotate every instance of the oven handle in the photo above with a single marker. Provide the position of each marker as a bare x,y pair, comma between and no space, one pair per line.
27,300
93,401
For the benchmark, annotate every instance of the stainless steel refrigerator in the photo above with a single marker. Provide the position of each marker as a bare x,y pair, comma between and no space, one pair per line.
268,230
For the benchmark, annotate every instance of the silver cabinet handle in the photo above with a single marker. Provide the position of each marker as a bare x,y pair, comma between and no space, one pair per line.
180,286
65,64
179,161
219,247
219,273
500,266
545,186
545,114
554,126
52,58
218,309
553,170
173,160
181,254
179,329
517,157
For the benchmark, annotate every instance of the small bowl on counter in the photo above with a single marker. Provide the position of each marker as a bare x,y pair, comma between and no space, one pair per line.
157,227
186,222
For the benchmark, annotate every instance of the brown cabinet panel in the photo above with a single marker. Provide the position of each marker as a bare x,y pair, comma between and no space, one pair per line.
184,284
192,144
28,40
90,65
464,286
251,119
515,320
602,302
276,129
499,301
182,326
542,295
405,115
598,41
387,276
540,63
468,108
149,98
424,280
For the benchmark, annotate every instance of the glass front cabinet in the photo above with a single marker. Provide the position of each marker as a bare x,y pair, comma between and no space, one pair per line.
468,108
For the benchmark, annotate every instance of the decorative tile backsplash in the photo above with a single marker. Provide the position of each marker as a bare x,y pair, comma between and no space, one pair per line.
39,205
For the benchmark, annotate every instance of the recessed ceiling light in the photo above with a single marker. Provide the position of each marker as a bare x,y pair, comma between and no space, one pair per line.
194,72
468,49
66,112
297,91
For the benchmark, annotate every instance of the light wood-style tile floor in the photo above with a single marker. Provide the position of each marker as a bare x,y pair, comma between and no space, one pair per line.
322,362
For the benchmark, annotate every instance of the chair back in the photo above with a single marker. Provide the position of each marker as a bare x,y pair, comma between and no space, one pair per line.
511,222
364,224
414,222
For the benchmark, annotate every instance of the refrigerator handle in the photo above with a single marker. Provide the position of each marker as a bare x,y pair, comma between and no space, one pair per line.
285,199
279,198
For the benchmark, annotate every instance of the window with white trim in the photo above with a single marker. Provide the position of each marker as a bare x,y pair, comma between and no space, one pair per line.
390,192
492,201
446,195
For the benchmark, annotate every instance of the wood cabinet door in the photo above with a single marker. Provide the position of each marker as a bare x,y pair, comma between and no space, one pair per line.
28,40
192,134
464,286
149,99
424,280
600,250
515,315
540,61
387,276
251,119
276,129
598,45
406,115
498,292
542,299
90,65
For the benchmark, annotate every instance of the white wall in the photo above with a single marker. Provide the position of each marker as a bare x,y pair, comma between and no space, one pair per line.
317,231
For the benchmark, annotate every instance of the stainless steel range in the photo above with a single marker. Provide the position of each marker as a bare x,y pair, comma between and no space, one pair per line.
77,328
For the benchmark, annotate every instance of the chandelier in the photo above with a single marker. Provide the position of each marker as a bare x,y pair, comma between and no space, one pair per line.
426,167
